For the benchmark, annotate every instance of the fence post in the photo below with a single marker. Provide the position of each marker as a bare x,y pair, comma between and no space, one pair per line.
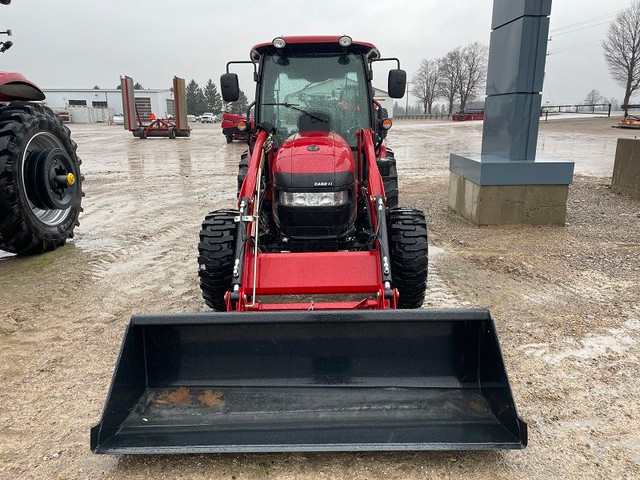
609,114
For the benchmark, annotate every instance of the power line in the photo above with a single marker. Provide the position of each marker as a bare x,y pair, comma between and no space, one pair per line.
584,22
572,48
580,28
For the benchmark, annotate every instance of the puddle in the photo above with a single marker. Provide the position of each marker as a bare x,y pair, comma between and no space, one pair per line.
617,341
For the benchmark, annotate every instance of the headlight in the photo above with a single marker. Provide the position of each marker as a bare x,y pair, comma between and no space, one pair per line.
279,42
345,41
314,199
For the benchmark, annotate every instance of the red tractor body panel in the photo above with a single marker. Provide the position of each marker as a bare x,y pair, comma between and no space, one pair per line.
15,86
314,152
289,273
314,39
229,125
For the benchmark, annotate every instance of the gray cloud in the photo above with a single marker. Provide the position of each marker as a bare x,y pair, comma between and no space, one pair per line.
81,43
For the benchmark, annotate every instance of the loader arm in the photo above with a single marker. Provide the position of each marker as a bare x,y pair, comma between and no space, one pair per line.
310,273
377,204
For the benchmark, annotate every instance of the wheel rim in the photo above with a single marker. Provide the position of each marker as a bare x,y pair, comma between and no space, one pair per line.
41,142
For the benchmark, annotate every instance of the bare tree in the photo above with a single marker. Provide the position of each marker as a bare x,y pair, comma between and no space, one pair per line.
449,68
425,83
472,72
622,51
593,97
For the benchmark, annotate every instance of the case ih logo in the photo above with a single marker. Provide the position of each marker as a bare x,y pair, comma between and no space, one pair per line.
323,184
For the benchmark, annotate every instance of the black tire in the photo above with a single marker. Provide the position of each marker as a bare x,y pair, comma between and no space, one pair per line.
391,185
172,133
229,138
216,255
409,255
141,133
28,128
389,173
243,168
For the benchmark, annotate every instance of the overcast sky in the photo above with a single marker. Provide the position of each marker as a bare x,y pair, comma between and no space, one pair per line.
82,43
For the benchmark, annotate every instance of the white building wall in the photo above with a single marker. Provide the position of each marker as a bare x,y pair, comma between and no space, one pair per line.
58,99
384,99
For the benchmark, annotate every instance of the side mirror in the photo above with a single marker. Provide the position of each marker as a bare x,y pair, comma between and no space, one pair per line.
230,87
397,83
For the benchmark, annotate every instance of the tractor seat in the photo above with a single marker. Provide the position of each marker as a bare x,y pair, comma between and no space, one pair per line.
308,123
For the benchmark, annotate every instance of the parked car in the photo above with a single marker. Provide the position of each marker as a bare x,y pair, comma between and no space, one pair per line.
207,118
192,118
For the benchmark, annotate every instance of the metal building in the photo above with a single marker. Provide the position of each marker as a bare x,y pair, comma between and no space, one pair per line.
98,105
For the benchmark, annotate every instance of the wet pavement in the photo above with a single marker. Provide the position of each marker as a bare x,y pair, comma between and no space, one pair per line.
565,302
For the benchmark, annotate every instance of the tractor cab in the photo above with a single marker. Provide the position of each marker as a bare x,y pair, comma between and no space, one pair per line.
316,83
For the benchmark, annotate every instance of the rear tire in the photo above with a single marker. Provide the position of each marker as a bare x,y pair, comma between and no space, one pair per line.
216,256
172,133
229,138
28,131
409,255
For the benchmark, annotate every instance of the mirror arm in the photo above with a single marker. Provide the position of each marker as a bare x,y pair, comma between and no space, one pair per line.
255,67
388,59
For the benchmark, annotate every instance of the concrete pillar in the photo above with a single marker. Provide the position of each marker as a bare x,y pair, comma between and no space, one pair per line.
506,183
626,169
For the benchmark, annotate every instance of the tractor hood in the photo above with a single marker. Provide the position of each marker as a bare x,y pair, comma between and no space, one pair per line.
313,160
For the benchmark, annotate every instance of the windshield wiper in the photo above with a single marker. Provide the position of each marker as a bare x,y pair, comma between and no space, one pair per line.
294,107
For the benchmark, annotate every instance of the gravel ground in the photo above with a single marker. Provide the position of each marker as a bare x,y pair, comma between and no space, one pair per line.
565,302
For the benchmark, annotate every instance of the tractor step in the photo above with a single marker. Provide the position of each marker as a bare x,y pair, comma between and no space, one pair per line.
309,381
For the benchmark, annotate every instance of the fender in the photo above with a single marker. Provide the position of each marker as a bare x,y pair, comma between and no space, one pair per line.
15,86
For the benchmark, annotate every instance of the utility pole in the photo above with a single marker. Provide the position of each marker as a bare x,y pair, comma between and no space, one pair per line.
406,110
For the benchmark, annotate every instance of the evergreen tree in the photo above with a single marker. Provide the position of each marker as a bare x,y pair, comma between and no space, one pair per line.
192,98
201,103
213,100
138,86
239,107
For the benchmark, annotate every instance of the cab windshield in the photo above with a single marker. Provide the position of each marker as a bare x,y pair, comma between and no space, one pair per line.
330,88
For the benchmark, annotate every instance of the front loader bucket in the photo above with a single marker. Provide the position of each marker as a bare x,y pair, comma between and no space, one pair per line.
310,381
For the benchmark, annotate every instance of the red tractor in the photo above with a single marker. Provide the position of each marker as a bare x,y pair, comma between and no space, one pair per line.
40,180
319,342
315,182
234,127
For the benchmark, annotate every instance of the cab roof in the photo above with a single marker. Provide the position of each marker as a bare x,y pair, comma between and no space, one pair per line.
331,41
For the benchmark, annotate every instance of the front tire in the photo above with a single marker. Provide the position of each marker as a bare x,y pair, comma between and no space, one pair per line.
229,138
216,255
38,208
409,255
